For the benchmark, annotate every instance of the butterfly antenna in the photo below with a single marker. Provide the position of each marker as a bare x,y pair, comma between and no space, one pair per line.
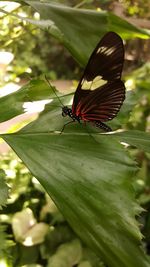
54,91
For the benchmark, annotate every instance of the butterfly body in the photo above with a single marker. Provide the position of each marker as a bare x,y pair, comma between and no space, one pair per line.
98,124
68,112
100,92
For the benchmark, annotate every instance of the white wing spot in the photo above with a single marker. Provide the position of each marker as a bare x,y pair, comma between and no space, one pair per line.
82,82
94,84
105,50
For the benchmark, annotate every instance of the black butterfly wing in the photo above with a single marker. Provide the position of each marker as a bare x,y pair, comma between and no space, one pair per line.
100,92
102,104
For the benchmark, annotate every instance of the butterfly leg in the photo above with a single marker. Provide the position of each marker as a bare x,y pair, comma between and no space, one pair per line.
102,126
65,125
89,133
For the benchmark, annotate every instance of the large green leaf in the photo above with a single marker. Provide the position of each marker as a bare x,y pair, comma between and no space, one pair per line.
89,179
80,29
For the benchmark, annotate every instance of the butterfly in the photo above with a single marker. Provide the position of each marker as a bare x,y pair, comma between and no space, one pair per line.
100,92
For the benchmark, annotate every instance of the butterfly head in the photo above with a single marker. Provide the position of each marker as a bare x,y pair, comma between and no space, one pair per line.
66,111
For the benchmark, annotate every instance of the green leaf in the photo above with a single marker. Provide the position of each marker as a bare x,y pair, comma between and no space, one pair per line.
3,188
89,180
3,241
139,139
81,29
34,90
68,254
85,264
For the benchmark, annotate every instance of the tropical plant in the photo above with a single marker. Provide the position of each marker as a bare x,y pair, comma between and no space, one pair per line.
89,179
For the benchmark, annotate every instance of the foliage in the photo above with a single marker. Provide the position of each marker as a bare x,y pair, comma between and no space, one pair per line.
88,176
140,81
3,188
137,8
41,53
28,204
